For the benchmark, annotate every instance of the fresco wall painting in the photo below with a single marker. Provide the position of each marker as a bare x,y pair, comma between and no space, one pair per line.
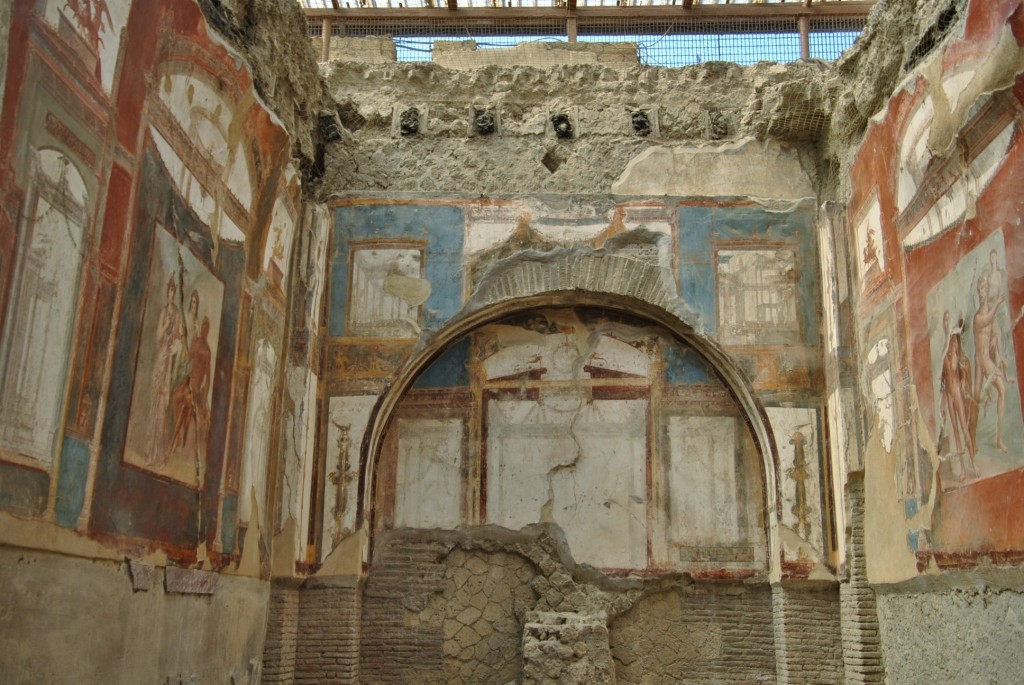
564,424
543,416
951,203
132,198
52,136
170,408
42,308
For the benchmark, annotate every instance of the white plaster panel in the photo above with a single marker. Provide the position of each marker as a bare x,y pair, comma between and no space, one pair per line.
277,251
703,503
258,423
581,465
429,479
746,167
42,311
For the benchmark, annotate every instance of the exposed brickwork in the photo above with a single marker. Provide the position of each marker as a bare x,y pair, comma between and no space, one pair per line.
449,607
328,637
282,633
807,634
862,652
701,633
638,276
402,640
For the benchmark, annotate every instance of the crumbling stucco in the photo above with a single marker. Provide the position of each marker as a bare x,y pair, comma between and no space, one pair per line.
786,102
513,606
566,649
742,168
866,75
819,107
272,37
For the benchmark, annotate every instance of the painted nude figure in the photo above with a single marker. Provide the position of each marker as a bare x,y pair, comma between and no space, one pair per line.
989,363
957,394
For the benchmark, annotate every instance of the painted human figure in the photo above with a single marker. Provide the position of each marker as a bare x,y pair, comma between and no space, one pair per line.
957,394
190,394
170,342
989,363
192,317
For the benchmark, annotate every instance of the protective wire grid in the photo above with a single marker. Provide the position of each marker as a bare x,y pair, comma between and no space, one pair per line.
498,4
659,42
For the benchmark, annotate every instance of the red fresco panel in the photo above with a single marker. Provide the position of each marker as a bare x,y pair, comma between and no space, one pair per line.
115,223
983,516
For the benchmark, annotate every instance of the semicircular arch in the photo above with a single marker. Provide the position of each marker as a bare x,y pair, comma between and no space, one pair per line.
479,315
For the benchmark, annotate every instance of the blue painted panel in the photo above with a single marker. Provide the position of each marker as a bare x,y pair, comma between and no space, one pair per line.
74,472
229,517
449,370
700,227
685,366
441,226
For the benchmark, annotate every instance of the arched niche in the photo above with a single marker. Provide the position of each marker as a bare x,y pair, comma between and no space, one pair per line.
631,313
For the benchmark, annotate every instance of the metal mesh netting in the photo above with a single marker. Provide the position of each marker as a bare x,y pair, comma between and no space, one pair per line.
499,4
674,43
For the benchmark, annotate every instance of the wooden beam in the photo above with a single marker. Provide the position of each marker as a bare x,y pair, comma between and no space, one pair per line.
607,21
805,36
856,8
325,40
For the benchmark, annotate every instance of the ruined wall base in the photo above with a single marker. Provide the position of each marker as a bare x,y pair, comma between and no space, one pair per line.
73,620
968,629
808,645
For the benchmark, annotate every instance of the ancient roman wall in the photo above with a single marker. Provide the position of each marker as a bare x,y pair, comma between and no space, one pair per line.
150,209
481,437
935,245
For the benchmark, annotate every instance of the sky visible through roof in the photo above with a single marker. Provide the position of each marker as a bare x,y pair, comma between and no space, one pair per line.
671,49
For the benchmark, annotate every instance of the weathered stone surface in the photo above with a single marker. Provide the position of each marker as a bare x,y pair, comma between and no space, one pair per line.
143,574
366,49
190,581
973,635
786,103
464,54
746,168
562,648
92,628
